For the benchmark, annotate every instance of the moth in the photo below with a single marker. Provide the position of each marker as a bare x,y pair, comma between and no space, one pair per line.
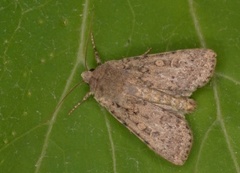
150,93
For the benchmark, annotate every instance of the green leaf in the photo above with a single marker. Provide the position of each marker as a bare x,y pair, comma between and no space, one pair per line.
43,49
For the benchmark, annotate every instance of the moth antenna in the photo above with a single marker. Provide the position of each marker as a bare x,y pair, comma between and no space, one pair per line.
79,103
88,38
97,57
75,86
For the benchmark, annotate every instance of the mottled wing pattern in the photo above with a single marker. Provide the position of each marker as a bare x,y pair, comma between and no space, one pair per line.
165,132
179,72
140,92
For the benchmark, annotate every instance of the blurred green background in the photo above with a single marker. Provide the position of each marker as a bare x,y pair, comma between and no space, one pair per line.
43,49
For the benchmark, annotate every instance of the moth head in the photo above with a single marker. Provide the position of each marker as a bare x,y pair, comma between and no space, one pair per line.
87,75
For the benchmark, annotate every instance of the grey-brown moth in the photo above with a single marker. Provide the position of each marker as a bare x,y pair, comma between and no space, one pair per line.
149,94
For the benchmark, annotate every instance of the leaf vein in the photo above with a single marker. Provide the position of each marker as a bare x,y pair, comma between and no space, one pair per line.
67,86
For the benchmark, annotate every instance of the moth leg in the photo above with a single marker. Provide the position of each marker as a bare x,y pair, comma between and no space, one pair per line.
146,53
97,57
79,103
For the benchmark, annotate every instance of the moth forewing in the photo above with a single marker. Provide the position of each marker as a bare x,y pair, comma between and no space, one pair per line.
149,95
